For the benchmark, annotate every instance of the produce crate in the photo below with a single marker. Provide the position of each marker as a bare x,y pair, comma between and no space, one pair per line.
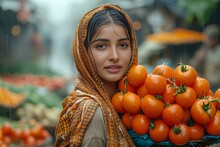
146,141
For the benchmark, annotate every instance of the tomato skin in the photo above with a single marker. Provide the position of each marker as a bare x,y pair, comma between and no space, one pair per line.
186,116
159,130
30,141
36,131
142,91
117,102
201,87
124,86
137,75
163,70
131,103
182,137
17,134
151,106
187,76
217,95
196,131
173,114
199,114
187,98
7,130
213,128
168,94
140,124
25,133
157,81
127,119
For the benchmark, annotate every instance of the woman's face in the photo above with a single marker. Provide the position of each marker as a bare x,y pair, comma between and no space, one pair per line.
110,52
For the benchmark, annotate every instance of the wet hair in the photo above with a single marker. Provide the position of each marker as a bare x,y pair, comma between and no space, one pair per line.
105,17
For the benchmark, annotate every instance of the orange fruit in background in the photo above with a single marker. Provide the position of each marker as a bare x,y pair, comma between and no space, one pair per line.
117,102
124,86
155,84
163,70
140,124
127,119
131,102
137,75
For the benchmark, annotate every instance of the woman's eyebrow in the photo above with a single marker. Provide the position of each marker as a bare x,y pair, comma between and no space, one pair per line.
100,40
107,40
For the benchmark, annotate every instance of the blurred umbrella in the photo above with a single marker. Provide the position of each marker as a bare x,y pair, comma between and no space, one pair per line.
177,36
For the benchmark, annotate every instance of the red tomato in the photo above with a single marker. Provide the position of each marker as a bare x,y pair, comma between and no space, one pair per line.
168,95
186,116
211,99
203,111
17,134
185,74
179,134
164,70
140,124
127,119
117,102
131,103
217,95
25,133
142,90
124,86
45,134
137,75
159,130
172,114
7,130
201,86
185,97
196,131
30,141
151,106
210,93
213,128
36,131
155,84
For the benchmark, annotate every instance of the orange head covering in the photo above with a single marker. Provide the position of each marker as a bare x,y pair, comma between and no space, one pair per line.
89,93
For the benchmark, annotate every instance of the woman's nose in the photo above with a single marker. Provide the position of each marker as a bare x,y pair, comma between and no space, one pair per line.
113,54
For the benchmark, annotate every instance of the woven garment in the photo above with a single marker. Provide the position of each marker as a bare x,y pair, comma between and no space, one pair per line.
89,94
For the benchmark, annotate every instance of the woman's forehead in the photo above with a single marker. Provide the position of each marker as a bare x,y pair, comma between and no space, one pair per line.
111,31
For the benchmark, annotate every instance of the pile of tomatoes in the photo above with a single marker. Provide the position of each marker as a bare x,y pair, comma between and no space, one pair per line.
169,104
32,136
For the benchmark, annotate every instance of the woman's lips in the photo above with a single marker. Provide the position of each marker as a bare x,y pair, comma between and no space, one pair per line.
113,69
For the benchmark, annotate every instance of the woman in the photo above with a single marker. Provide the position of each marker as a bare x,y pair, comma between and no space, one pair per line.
104,49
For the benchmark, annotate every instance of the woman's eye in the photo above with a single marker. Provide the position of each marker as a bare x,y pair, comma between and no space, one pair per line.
100,46
123,45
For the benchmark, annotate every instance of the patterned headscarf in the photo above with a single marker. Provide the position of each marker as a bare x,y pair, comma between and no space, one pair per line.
89,93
